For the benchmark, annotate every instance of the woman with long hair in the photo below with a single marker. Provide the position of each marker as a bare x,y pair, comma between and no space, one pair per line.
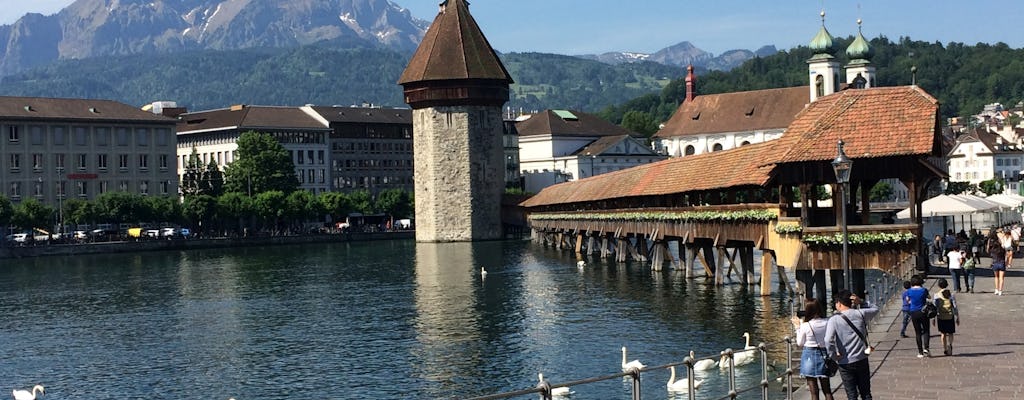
810,335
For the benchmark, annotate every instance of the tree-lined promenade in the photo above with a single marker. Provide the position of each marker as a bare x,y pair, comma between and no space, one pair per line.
259,192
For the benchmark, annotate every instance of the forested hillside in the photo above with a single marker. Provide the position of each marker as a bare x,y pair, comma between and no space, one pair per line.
323,75
962,77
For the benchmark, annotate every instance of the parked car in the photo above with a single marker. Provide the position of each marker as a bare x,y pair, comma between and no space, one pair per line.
169,233
80,235
152,233
20,237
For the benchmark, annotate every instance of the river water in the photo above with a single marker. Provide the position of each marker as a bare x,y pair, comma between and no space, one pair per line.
370,320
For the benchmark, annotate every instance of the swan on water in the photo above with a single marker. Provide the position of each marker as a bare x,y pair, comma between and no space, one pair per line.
683,384
26,395
702,365
626,366
580,264
741,357
483,272
555,392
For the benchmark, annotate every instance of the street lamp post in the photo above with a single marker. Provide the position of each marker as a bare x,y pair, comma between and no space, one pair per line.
842,166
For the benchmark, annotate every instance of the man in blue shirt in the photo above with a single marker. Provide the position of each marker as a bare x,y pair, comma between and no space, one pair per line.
846,336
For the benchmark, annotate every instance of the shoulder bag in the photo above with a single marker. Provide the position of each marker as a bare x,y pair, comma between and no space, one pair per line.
868,348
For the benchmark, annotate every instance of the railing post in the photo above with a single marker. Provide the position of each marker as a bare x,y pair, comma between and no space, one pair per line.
636,383
732,373
761,348
691,390
789,367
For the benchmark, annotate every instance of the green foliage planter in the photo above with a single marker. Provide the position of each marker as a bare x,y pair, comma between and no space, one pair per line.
784,229
671,216
860,239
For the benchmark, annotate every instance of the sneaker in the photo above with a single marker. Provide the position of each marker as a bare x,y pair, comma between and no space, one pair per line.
904,335
920,355
927,353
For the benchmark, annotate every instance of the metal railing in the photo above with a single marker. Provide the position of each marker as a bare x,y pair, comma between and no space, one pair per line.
885,288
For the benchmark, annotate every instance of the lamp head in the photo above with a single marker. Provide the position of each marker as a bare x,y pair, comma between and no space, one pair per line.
842,165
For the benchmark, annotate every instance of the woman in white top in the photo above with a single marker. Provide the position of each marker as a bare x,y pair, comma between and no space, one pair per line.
810,334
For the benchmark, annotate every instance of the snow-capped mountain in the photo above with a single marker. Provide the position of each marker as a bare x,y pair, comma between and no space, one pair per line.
91,28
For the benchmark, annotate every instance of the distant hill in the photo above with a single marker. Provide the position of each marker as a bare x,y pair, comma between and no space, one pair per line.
91,28
683,54
322,75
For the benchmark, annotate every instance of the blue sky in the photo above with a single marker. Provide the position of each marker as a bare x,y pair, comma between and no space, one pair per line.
596,26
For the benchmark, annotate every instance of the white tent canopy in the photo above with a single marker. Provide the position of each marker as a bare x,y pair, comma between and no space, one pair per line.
947,205
1007,200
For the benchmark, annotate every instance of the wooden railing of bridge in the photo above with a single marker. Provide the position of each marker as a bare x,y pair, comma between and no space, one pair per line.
783,241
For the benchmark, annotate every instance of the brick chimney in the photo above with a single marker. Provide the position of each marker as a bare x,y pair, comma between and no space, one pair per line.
691,80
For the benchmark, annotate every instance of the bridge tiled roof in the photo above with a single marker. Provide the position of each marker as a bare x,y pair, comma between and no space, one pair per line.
876,122
748,111
730,168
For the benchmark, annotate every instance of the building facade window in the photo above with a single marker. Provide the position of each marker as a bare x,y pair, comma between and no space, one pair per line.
59,135
38,189
58,162
15,190
37,162
122,136
122,161
83,188
102,136
102,187
81,136
122,186
142,137
14,162
13,134
101,162
144,188
163,162
143,162
36,135
164,187
82,161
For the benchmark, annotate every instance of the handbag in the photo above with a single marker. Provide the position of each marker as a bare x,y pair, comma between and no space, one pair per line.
831,365
929,310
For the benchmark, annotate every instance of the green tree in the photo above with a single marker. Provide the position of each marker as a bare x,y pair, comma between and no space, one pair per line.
269,207
6,214
394,202
882,191
163,209
639,122
960,187
302,206
235,207
78,211
361,202
213,179
336,204
197,209
262,165
31,214
120,207
991,186
192,177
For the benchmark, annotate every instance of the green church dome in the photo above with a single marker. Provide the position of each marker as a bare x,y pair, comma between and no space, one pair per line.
822,42
860,49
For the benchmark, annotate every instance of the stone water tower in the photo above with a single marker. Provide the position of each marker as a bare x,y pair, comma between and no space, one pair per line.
457,86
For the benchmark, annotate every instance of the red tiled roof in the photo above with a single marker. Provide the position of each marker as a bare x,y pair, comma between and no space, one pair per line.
737,112
454,48
677,175
549,123
876,122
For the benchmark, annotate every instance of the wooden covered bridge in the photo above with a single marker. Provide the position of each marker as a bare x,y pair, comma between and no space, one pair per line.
720,206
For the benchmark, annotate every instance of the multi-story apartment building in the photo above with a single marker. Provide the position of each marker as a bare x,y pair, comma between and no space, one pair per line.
333,148
371,147
981,155
214,135
58,149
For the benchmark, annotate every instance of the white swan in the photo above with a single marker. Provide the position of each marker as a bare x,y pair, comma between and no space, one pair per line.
26,395
682,385
483,273
702,365
580,264
626,366
740,357
558,391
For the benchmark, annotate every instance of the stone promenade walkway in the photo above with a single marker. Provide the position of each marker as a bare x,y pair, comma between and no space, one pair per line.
988,351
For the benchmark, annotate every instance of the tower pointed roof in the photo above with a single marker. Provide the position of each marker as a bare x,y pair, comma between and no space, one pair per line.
454,48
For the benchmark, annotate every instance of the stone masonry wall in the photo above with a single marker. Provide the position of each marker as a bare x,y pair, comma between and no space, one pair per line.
459,173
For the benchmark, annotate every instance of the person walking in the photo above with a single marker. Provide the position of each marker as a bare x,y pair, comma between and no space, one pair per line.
997,252
906,312
956,258
970,263
810,335
946,319
917,296
846,340
1006,241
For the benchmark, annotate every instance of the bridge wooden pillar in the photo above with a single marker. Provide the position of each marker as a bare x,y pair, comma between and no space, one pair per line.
766,272
719,272
658,255
579,243
746,265
691,257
